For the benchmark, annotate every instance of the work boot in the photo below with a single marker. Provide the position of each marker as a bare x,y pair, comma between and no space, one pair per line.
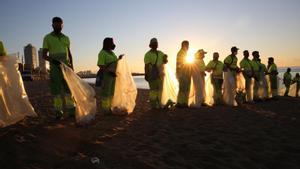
169,104
71,112
59,114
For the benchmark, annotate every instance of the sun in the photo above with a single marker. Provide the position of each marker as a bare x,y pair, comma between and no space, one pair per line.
190,56
189,59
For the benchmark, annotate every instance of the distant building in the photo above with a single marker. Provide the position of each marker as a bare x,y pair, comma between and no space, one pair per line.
42,62
30,57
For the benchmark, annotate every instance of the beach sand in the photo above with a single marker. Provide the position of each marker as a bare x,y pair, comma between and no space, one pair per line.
265,135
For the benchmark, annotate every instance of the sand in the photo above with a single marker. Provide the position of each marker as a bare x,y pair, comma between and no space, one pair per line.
265,135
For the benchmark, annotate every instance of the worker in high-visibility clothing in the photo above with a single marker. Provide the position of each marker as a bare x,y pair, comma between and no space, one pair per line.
154,60
297,81
107,62
273,72
231,62
183,73
247,70
198,76
287,80
2,50
256,66
56,49
230,91
216,67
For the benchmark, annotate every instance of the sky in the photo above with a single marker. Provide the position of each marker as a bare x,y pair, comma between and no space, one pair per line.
269,26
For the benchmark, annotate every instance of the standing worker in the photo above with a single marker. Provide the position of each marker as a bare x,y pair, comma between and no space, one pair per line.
287,80
297,81
231,62
273,72
217,68
198,75
183,73
256,66
247,70
154,60
230,78
56,49
107,62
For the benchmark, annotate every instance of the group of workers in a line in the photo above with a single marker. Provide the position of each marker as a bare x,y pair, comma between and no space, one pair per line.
288,81
254,73
56,50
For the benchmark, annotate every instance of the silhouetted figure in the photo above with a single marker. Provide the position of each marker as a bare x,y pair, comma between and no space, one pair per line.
154,60
216,67
230,78
56,49
273,72
107,62
198,75
247,70
297,81
231,61
256,67
183,73
287,80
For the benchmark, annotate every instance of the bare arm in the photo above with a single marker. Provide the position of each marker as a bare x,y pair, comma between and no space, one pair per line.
71,58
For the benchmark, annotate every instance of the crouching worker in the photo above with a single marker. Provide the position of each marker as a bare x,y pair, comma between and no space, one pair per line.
107,62
56,49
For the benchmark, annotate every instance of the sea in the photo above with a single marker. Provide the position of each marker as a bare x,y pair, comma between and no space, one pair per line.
141,83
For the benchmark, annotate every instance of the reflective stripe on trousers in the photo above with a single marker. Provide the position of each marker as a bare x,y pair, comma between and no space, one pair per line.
58,102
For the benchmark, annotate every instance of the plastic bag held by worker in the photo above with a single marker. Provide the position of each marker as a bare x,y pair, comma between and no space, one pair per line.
209,89
198,86
170,86
83,94
229,88
125,93
263,87
292,92
14,102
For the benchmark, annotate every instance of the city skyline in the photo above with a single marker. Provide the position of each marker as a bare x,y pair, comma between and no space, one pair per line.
270,27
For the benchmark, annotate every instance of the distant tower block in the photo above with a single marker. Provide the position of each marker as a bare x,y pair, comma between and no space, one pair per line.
42,62
30,57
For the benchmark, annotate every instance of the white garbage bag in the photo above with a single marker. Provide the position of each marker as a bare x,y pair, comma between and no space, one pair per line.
269,93
263,87
125,93
229,89
240,82
241,89
234,89
198,87
170,86
14,102
292,92
83,94
209,89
